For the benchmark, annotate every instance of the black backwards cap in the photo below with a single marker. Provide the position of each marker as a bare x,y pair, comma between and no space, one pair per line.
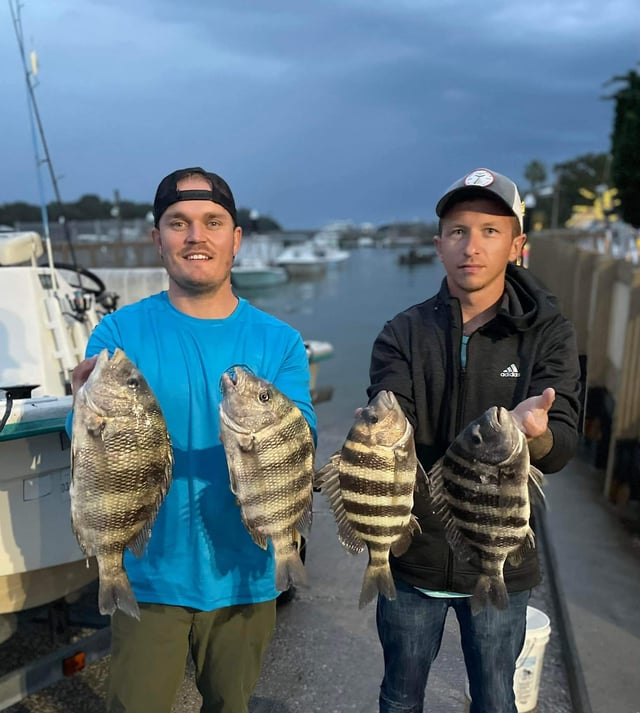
485,182
168,193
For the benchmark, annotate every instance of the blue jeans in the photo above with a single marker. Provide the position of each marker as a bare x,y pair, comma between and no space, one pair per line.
410,630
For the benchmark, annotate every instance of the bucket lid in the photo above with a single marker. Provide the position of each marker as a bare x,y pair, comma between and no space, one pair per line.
537,619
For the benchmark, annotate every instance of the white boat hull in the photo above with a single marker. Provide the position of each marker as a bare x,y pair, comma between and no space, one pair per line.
40,559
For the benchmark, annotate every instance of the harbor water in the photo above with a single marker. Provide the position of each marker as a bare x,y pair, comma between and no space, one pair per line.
348,307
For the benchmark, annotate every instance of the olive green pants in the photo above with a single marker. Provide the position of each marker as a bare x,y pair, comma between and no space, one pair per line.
148,657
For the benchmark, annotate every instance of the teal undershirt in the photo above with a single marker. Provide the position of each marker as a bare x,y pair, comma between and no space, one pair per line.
431,592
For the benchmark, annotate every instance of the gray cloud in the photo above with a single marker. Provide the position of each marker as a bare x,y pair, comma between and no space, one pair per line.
313,111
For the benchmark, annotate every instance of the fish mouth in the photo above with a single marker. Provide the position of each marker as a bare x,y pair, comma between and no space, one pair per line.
230,378
233,376
502,420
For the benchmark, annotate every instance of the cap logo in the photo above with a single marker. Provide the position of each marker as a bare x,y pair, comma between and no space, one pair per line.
479,178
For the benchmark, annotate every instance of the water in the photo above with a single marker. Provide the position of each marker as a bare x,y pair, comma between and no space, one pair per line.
348,307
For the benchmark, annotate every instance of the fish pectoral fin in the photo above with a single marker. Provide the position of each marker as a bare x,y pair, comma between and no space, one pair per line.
95,424
246,441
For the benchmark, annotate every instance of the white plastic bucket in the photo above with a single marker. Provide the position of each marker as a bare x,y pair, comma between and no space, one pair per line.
526,682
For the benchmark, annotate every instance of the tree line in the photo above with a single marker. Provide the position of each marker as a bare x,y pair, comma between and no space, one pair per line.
92,207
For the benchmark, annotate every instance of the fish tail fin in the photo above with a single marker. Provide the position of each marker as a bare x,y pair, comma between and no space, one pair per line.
489,590
377,578
290,569
115,593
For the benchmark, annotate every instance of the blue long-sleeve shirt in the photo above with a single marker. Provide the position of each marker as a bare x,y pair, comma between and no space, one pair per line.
200,554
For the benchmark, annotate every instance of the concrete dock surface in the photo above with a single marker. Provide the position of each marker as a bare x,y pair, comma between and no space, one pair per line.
325,656
598,560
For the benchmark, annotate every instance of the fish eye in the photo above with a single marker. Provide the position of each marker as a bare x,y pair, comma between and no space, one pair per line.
132,382
476,439
264,396
373,419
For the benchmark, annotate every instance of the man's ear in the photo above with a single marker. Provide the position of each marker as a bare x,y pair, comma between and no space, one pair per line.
517,246
155,236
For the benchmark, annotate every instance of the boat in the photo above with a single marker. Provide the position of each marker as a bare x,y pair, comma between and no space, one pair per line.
302,261
331,255
326,245
253,273
45,333
418,255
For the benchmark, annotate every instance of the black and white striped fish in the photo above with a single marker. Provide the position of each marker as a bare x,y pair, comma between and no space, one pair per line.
269,448
121,469
481,488
370,484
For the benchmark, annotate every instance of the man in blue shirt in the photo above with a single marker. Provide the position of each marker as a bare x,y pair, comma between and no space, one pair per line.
203,586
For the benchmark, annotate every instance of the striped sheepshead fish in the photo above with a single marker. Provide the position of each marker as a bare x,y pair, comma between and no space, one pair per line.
121,467
370,484
269,448
481,488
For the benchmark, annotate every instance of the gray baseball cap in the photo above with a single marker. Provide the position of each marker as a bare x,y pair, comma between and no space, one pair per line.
482,181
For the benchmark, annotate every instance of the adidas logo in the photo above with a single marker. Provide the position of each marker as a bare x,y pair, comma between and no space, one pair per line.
511,371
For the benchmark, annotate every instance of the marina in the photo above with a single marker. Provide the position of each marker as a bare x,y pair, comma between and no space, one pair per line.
57,281
325,654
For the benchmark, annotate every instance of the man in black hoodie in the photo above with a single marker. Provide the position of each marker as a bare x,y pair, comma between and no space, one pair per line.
492,336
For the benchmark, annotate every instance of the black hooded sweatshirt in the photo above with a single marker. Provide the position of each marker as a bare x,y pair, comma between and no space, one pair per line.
527,347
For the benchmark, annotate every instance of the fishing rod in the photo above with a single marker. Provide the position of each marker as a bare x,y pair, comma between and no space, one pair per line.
15,8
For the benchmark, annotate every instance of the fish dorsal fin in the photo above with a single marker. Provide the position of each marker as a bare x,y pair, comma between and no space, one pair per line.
328,472
327,479
422,486
536,483
456,540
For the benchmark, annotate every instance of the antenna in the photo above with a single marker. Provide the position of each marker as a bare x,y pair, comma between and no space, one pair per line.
30,71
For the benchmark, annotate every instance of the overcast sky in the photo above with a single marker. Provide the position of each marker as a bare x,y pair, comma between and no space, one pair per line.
313,110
